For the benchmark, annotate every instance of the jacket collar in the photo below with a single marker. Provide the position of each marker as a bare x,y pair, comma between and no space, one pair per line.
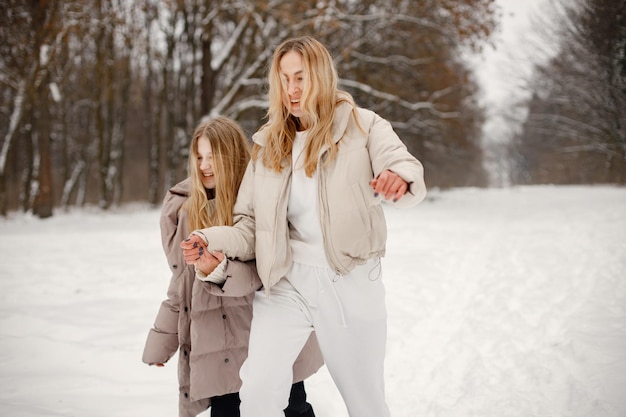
340,123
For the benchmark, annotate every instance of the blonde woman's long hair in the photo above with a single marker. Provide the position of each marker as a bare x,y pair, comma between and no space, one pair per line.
320,97
231,153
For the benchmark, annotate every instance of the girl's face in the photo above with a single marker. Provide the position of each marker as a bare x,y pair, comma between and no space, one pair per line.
293,79
206,168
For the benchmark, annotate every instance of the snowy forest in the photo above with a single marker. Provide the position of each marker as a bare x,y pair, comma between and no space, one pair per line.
98,98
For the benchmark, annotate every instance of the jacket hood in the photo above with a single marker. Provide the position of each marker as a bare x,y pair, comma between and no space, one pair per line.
182,188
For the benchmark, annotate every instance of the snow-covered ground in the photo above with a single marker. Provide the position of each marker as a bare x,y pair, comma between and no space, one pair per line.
502,303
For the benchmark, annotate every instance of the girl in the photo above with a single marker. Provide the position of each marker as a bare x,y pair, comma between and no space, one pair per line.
209,319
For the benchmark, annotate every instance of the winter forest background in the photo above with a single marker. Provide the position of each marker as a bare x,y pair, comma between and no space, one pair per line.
98,97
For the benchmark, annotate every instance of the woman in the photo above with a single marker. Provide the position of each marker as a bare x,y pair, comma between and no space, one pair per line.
210,320
309,210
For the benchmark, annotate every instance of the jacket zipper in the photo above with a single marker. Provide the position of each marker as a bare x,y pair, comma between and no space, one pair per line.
324,220
280,207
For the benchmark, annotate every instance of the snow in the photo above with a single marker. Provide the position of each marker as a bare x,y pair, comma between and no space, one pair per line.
502,303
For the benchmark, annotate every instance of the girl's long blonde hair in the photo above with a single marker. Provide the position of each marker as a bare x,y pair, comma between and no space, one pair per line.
231,153
320,97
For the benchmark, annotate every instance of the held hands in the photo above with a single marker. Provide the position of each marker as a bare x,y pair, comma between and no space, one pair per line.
196,253
193,248
390,185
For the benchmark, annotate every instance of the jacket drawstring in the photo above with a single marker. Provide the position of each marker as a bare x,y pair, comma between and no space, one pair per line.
343,316
376,268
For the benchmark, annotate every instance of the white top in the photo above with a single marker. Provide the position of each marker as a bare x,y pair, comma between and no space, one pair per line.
305,232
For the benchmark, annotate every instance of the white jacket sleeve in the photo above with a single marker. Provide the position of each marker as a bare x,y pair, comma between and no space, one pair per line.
387,151
237,241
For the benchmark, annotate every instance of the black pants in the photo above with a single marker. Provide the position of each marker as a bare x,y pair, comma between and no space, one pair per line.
228,405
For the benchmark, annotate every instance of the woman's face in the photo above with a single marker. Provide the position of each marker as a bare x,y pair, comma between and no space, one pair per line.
206,168
293,76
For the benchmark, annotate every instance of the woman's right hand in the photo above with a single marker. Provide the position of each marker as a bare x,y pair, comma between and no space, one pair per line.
208,261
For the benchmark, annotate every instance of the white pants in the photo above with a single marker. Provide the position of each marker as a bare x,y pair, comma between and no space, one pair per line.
349,316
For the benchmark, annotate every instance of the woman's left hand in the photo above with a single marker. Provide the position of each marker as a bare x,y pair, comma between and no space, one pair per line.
390,185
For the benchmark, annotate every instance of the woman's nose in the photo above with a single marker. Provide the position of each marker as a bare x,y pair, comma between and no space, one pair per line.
291,88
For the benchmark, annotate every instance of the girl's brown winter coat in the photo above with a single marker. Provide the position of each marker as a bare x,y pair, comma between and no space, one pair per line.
210,324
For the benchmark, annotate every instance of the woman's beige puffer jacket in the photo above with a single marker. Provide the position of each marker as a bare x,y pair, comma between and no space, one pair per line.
210,324
351,216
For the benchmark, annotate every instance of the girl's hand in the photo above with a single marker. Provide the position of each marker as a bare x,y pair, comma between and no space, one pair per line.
193,248
390,185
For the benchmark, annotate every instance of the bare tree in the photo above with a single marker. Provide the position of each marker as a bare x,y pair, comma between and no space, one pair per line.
423,88
31,37
575,131
130,80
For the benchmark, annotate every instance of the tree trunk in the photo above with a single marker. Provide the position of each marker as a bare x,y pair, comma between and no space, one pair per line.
43,202
208,76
